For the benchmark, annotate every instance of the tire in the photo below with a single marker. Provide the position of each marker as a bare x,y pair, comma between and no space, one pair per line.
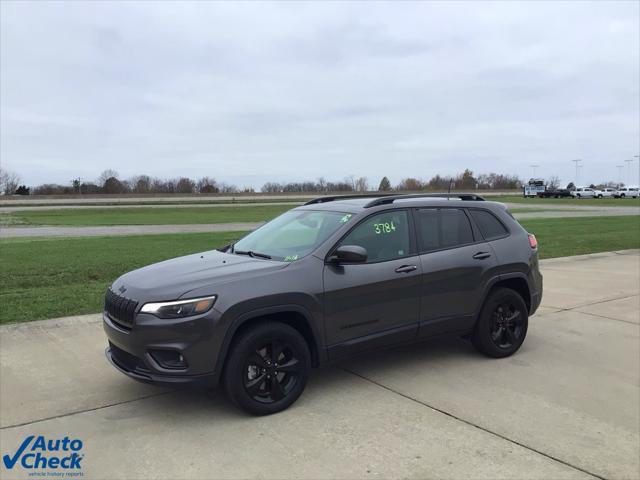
578,195
497,334
252,377
599,196
622,196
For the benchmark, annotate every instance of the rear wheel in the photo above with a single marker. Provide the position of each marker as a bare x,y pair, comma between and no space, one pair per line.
503,323
267,368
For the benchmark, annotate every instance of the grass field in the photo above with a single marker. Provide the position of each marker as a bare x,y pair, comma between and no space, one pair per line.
561,237
604,202
47,278
143,215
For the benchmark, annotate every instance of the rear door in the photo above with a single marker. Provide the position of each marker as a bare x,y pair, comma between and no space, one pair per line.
374,303
456,265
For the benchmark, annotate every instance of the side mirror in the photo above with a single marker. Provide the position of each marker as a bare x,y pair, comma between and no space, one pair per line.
349,254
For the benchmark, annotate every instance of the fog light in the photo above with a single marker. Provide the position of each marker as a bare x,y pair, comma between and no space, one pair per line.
169,359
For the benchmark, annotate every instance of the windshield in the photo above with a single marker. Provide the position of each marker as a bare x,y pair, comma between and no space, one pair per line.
292,235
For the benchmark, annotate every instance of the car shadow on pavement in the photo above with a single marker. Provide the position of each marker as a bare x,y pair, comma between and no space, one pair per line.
196,405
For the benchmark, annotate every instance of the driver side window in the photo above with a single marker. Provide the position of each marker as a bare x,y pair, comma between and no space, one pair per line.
384,236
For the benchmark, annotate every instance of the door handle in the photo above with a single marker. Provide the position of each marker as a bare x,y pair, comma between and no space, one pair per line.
406,268
481,255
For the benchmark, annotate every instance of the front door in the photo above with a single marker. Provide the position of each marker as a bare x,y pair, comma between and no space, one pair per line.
374,303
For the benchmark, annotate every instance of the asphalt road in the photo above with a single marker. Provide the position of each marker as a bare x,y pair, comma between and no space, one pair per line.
567,405
554,211
134,199
111,230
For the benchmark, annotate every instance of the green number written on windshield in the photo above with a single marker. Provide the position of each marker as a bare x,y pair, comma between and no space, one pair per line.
384,228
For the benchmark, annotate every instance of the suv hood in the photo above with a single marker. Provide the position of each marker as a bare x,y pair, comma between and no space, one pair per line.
173,278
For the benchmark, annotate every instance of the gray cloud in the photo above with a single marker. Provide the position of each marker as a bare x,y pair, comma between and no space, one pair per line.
250,92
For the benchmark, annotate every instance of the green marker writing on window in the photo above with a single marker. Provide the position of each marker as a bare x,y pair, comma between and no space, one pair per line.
384,228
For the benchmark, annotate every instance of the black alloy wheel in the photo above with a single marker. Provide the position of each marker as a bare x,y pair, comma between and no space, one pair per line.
506,326
502,325
272,371
267,368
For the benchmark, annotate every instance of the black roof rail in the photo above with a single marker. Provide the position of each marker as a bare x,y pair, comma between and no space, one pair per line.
334,198
386,198
391,198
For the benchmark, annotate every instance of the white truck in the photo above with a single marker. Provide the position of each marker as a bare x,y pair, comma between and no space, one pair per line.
626,192
606,192
583,192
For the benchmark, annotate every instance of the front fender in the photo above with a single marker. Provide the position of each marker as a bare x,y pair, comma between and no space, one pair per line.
237,316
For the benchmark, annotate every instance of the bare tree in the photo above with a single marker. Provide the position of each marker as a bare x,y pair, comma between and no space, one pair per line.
361,184
106,175
9,181
321,184
227,188
350,180
113,185
185,185
208,185
410,184
271,187
140,184
553,182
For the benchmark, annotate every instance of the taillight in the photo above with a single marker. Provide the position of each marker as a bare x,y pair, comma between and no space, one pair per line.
533,242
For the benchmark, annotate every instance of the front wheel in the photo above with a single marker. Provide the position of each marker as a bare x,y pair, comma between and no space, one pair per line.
502,325
267,368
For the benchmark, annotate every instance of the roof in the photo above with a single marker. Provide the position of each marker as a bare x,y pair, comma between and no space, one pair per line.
359,203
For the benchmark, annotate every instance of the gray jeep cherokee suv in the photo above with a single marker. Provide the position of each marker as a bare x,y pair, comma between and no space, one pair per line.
334,277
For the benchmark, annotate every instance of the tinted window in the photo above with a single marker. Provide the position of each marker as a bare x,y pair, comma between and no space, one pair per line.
489,226
442,228
385,236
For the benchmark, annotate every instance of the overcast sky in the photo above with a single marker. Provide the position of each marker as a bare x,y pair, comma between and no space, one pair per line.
251,92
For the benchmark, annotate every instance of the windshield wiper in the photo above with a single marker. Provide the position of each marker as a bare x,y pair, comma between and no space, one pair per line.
252,254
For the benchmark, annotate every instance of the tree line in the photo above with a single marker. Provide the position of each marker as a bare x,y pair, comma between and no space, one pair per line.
109,182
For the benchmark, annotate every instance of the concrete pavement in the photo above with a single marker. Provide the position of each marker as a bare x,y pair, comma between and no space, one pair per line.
567,405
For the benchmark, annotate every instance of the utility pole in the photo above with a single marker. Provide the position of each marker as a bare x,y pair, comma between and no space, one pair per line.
628,162
534,170
577,161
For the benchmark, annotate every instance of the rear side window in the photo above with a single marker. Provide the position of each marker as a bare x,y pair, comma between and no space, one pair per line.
490,227
442,228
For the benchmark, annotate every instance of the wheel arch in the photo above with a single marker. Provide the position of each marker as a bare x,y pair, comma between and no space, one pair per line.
296,316
515,281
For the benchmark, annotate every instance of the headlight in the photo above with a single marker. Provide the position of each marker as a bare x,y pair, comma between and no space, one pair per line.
179,308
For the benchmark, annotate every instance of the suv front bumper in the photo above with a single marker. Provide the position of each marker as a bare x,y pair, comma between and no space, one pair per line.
132,351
